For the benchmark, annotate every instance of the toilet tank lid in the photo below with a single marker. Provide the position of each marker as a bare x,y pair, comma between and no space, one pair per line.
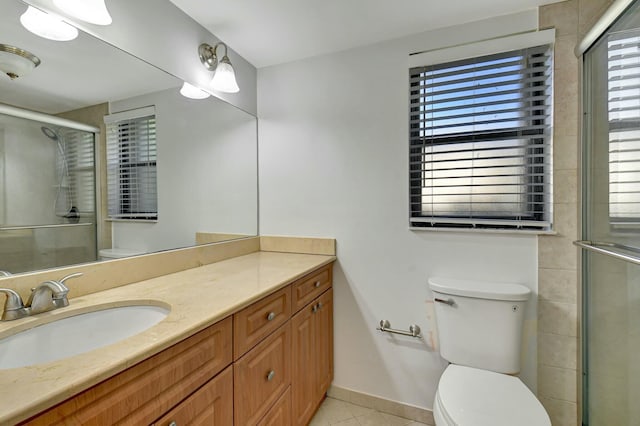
479,289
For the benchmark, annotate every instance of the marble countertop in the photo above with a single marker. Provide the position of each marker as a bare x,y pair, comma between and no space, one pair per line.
197,297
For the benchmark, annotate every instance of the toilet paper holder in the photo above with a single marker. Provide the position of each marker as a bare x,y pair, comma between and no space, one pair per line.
414,330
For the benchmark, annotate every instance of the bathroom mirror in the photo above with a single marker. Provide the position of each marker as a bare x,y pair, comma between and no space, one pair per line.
206,156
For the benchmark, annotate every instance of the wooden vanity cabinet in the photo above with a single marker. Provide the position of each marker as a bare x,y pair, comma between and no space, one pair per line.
312,356
262,366
303,348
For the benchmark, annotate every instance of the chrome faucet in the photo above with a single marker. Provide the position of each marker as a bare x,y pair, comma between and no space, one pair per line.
5,274
47,296
50,295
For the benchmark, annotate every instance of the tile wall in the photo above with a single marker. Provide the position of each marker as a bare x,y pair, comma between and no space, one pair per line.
558,271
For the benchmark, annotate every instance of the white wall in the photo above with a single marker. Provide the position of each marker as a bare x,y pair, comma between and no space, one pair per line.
207,167
334,163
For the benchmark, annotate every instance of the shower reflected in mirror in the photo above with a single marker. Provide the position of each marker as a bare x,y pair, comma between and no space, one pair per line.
47,195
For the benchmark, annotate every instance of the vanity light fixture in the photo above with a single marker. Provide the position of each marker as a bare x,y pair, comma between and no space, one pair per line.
48,26
224,77
16,62
192,92
91,11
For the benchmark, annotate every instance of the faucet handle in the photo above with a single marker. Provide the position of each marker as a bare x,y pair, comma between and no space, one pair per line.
68,277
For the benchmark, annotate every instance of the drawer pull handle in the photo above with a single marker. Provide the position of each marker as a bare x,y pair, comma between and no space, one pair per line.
317,284
173,423
271,375
319,305
314,308
271,316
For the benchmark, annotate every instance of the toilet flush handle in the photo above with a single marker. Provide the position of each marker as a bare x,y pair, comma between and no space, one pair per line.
449,302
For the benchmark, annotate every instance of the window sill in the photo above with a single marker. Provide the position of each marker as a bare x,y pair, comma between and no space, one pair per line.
484,231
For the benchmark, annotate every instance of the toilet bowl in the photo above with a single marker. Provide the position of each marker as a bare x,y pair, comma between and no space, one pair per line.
480,331
470,396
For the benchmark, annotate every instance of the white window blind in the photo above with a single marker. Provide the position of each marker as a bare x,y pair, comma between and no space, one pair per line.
480,142
624,128
131,164
79,163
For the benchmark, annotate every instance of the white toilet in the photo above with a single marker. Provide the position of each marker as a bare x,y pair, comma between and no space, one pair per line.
480,333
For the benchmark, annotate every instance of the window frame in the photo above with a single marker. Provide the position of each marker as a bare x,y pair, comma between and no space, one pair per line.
540,221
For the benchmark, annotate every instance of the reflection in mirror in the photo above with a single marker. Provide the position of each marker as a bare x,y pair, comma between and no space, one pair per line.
47,196
53,188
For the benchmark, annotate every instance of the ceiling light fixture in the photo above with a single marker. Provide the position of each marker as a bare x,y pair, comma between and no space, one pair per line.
91,11
192,92
224,77
16,62
48,26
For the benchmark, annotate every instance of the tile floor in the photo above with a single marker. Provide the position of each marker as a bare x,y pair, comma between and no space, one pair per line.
336,412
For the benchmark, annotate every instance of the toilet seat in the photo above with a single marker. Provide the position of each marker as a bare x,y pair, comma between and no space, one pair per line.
470,396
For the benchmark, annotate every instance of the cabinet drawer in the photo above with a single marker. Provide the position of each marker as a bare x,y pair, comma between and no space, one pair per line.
257,321
144,392
261,376
308,288
280,413
211,405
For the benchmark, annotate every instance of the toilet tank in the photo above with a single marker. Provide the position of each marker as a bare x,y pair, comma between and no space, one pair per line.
480,323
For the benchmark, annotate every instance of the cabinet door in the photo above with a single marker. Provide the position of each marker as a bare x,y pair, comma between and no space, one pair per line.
262,376
303,383
211,405
324,343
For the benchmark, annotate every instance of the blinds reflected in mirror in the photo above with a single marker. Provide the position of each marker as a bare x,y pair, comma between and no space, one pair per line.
480,144
76,173
131,164
623,75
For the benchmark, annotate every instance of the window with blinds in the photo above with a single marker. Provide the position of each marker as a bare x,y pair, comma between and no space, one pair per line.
480,142
623,75
131,165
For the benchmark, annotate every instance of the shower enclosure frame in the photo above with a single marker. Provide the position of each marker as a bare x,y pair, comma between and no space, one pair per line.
587,196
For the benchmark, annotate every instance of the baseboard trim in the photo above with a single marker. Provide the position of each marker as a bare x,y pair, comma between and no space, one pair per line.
388,406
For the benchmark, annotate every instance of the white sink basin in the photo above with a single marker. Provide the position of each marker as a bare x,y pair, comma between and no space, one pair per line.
77,334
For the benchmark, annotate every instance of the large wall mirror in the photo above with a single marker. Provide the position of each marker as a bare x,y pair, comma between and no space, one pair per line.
54,192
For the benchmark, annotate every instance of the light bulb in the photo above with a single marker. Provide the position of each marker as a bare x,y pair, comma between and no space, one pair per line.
192,92
91,11
224,79
48,26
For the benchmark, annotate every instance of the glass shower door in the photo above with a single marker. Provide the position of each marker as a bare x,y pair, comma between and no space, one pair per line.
611,226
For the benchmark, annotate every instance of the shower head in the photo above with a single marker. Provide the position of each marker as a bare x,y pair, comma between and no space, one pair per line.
50,133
